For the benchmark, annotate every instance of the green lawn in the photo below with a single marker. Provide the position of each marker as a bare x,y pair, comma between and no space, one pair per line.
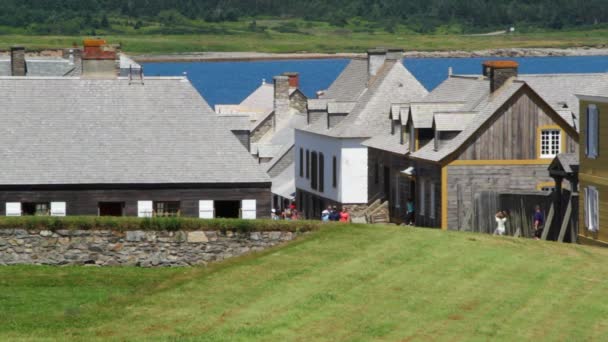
352,283
319,38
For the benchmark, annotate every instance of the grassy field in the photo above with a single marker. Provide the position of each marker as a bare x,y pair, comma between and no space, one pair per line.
350,283
301,36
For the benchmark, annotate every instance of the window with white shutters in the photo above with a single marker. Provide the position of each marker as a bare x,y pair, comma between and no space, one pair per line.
592,209
550,143
145,209
248,209
206,209
58,209
13,209
592,132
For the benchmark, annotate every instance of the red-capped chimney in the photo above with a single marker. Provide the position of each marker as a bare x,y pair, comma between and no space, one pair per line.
294,79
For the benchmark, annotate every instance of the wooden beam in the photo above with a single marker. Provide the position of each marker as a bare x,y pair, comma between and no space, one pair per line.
444,198
548,223
565,222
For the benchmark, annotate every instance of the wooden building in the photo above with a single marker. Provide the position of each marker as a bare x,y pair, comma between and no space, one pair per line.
475,137
121,146
593,171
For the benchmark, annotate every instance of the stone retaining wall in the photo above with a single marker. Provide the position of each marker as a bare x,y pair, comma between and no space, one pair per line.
132,248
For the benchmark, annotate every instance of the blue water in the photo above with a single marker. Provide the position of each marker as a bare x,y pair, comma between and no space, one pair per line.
231,82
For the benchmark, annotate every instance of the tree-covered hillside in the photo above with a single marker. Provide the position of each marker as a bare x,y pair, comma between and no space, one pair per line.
426,16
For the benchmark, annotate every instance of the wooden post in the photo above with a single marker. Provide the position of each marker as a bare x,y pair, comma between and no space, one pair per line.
548,223
565,221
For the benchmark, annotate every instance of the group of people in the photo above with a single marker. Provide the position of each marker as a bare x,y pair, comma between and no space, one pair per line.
290,213
538,222
332,214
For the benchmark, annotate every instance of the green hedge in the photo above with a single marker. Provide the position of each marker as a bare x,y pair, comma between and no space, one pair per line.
164,223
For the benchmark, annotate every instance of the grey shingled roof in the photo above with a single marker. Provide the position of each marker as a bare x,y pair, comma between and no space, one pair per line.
235,122
388,142
397,109
351,82
568,161
340,107
41,67
318,104
392,84
599,88
78,131
422,112
455,121
284,184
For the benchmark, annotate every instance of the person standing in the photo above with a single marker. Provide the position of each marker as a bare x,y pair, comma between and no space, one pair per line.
344,215
501,219
334,215
409,212
539,221
273,215
325,214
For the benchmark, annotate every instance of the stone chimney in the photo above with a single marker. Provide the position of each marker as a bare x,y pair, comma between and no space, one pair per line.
498,72
375,60
18,64
98,61
281,98
294,79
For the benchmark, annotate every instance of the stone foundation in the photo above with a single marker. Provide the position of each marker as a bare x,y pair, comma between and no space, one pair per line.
131,248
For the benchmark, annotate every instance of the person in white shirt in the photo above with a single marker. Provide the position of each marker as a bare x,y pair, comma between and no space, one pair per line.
501,220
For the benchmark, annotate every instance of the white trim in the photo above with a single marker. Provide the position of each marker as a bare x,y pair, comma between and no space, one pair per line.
248,209
58,209
145,208
206,209
13,209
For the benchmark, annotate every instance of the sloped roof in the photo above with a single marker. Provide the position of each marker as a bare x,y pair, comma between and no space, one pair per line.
318,104
351,82
455,121
568,161
235,122
284,184
598,88
388,142
41,67
398,110
422,112
340,107
83,131
392,84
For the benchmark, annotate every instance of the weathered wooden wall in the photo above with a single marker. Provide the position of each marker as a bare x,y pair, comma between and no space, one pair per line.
431,173
84,200
512,134
465,181
396,163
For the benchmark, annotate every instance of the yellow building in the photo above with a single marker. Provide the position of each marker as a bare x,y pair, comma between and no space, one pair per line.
593,172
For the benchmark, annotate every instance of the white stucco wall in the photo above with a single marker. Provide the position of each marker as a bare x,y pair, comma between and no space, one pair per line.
352,166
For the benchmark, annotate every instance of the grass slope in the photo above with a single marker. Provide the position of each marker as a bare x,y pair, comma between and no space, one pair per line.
319,37
351,283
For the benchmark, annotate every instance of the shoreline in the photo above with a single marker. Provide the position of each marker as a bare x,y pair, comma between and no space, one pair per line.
260,56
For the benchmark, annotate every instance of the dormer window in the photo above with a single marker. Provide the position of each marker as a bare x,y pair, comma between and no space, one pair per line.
550,140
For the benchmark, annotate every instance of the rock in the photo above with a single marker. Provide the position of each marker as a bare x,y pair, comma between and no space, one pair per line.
46,233
197,237
95,249
255,236
135,235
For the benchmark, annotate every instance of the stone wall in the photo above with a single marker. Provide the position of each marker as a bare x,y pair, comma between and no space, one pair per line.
131,248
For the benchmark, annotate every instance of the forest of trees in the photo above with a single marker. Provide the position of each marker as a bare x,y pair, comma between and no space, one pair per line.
75,16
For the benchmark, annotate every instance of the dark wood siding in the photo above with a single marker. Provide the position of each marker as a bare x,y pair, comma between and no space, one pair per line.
84,201
512,133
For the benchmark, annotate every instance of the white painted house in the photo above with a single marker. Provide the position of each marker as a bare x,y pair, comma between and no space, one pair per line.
331,162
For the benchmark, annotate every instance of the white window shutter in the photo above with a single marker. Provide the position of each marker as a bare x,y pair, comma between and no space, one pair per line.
58,209
144,209
595,210
249,209
206,209
592,131
13,209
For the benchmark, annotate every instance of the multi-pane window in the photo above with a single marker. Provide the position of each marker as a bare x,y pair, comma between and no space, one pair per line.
301,162
314,175
321,172
36,209
166,209
335,172
550,143
592,132
592,218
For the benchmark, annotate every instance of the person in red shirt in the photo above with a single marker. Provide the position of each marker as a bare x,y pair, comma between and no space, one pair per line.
344,215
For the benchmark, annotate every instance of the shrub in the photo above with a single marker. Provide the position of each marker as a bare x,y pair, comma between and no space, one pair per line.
157,223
